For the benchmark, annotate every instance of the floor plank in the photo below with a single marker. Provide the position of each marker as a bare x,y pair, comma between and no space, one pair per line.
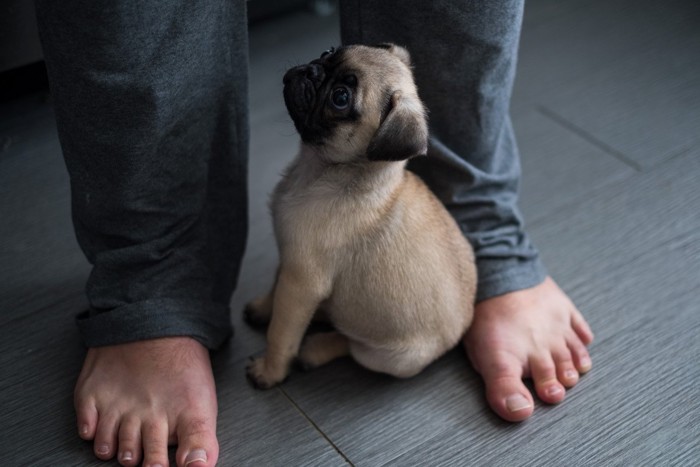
624,73
559,167
612,228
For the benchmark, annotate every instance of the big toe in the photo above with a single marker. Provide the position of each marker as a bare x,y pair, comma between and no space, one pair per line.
197,443
509,398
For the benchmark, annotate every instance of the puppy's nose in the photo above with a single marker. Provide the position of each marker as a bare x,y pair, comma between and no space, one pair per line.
312,72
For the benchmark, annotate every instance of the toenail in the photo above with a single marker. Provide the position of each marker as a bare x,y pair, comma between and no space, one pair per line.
103,449
196,455
570,374
553,391
585,363
84,430
517,402
126,456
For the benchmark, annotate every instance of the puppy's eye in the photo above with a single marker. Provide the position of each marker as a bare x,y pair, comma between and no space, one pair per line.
340,98
328,52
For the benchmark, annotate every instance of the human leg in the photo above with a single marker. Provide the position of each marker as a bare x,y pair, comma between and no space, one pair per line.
151,106
151,111
464,55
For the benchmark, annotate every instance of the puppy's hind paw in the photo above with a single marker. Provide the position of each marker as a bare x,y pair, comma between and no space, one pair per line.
303,364
259,311
254,317
321,348
260,376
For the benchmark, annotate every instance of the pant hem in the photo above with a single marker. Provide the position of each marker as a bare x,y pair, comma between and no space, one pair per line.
207,322
508,276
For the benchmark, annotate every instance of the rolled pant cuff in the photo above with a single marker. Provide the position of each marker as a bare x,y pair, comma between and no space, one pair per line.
502,276
207,322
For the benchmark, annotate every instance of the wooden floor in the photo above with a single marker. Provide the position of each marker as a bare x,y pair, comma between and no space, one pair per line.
607,113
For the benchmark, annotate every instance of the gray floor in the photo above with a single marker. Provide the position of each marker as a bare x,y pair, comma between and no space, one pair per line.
607,112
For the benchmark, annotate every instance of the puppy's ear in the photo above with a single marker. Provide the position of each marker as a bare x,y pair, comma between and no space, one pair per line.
403,133
397,50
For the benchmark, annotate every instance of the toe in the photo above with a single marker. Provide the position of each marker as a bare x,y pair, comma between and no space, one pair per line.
86,415
566,370
581,327
505,391
544,375
579,353
567,374
129,451
106,436
155,443
509,398
197,444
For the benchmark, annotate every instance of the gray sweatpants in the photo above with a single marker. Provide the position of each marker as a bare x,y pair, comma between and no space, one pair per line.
151,107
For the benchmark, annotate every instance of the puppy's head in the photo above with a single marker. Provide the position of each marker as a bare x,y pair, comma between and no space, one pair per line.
358,103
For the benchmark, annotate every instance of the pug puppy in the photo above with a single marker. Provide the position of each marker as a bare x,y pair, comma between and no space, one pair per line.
360,237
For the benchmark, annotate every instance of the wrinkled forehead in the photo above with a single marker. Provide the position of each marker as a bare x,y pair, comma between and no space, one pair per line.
364,61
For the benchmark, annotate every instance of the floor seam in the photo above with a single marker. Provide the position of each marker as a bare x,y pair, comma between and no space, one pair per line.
316,427
589,137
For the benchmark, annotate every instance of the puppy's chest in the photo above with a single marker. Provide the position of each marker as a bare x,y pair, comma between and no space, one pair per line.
327,211
311,220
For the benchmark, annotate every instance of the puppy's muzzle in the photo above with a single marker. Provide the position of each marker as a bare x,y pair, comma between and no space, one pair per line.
300,86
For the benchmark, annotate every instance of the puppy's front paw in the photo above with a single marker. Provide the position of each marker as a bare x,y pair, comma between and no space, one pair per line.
261,376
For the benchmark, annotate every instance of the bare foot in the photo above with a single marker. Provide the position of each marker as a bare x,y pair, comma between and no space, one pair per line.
534,333
134,399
